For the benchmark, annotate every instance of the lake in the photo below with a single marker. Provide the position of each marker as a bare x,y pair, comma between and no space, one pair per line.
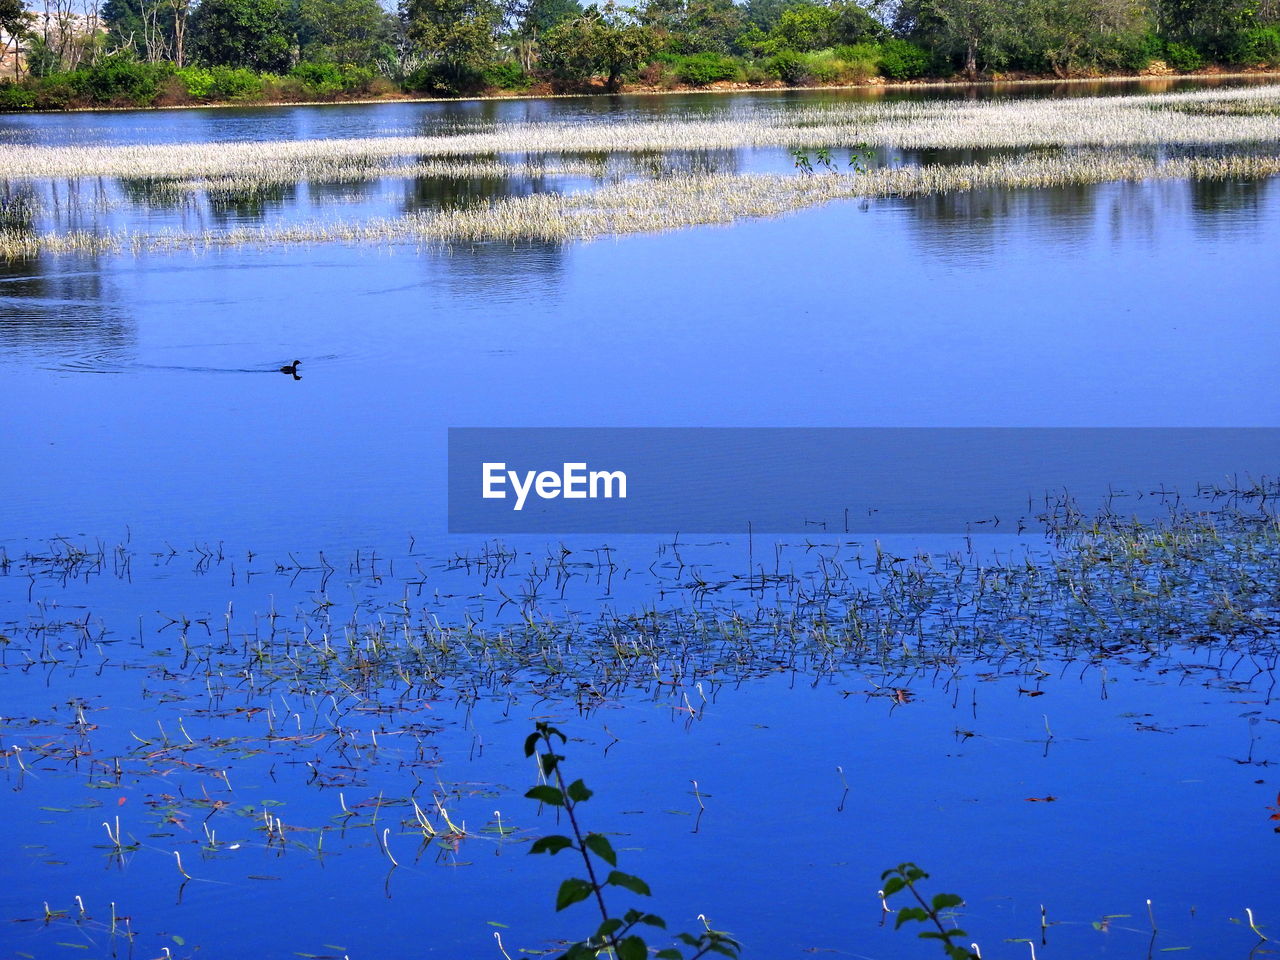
232,615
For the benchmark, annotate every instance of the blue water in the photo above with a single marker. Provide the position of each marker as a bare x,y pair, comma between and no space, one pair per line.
143,408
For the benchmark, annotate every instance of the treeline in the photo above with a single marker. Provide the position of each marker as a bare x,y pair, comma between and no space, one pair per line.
146,52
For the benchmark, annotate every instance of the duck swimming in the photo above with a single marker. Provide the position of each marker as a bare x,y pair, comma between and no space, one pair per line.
291,369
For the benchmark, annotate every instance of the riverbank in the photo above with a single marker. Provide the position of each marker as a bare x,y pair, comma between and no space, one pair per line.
1150,82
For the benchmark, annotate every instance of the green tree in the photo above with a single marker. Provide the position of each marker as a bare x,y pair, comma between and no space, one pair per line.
974,33
815,26
243,33
605,41
1211,26
458,38
696,26
15,24
343,31
1073,34
764,14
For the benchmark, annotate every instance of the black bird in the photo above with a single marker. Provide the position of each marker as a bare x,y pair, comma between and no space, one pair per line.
291,369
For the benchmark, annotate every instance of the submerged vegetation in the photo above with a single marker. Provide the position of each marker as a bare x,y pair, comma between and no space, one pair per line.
346,700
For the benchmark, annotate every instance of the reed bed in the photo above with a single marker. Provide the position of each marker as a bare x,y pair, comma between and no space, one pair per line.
1141,120
643,206
274,174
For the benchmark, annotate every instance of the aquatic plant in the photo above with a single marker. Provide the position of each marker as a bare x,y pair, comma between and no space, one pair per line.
905,876
642,206
1197,119
616,936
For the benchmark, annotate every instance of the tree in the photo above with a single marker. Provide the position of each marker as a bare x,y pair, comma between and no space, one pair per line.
976,32
343,31
243,33
1070,34
605,41
696,26
1213,26
530,19
458,37
15,24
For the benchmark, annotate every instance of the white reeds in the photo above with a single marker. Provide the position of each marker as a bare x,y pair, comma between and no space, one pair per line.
1241,115
641,206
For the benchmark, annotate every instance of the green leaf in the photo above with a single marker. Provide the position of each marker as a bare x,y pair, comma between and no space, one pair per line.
608,928
548,762
671,954
531,744
571,891
578,792
893,886
910,913
688,939
546,794
552,844
600,846
632,948
619,879
654,920
944,900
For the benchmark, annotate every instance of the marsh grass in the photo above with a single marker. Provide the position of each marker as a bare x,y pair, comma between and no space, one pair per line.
644,206
1204,117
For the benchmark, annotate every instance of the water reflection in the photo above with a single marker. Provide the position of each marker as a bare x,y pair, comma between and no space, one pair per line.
55,308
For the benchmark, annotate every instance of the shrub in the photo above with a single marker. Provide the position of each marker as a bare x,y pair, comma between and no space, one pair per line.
55,93
196,81
506,76
1181,56
15,96
858,61
700,69
1138,51
789,67
1261,45
118,79
903,60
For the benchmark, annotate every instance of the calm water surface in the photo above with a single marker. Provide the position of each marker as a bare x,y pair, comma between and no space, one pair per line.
142,409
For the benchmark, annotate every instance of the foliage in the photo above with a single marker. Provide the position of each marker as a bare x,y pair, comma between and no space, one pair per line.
220,83
903,60
1183,56
808,26
695,26
242,33
17,96
15,21
329,78
905,876
974,34
1071,35
120,79
1136,51
618,936
700,69
1259,45
343,31
507,75
605,41
457,37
